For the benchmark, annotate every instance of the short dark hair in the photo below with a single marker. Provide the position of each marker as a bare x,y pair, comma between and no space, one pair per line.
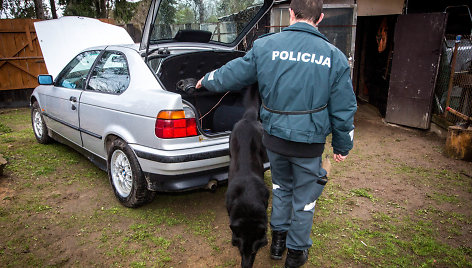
307,9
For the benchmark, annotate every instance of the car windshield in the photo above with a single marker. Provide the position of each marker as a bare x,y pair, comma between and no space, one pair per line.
224,19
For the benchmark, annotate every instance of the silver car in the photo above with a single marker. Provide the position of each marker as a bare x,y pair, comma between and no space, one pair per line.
132,109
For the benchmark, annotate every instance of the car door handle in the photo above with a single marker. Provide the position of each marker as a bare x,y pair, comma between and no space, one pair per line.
73,100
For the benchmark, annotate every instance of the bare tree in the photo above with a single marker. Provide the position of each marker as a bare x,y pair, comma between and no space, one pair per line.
103,9
100,8
39,9
201,9
53,8
96,4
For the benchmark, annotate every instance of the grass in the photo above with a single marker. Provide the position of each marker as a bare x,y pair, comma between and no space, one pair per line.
392,238
60,209
387,242
4,129
363,192
444,198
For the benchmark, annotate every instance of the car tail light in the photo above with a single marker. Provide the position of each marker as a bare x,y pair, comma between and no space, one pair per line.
175,124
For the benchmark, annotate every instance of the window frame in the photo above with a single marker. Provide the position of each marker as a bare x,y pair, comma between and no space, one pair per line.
64,72
95,65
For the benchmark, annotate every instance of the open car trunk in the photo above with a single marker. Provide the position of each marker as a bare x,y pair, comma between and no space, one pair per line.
216,112
178,48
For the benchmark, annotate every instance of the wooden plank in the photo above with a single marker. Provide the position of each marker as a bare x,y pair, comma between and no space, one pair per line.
16,31
22,58
19,41
18,51
16,25
5,78
28,37
4,49
26,67
11,46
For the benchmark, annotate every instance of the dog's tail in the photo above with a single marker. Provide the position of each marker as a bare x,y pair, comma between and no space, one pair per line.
252,102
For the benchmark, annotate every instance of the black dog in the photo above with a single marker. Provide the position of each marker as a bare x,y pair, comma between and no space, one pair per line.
247,196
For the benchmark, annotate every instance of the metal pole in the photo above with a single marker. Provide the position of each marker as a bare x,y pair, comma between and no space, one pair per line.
453,70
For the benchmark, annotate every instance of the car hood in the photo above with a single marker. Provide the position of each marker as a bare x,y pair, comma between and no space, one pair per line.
62,39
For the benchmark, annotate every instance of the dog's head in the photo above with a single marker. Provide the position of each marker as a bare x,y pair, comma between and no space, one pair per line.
249,236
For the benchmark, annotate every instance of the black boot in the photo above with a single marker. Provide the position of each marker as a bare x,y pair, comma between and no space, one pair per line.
296,258
277,246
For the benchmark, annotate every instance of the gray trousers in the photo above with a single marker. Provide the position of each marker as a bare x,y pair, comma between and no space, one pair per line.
296,185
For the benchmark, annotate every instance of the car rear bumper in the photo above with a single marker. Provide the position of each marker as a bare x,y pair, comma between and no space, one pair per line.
175,183
180,170
180,162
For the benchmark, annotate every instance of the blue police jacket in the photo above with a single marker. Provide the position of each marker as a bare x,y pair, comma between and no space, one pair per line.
299,74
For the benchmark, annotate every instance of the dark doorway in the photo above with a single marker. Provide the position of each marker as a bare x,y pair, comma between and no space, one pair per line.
374,51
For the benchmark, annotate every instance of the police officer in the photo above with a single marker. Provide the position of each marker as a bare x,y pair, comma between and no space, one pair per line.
306,91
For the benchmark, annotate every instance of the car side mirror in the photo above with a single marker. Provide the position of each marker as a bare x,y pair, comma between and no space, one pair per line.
45,79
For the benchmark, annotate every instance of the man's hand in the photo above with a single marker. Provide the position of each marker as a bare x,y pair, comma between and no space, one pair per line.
199,83
339,158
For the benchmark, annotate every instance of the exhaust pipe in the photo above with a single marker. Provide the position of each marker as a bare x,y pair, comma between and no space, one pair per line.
212,185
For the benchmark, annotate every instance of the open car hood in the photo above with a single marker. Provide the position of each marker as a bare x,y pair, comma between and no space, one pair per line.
62,39
222,22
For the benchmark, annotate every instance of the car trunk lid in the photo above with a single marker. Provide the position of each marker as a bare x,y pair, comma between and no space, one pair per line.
220,22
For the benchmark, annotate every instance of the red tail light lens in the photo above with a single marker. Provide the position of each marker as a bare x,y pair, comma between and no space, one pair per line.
169,126
191,127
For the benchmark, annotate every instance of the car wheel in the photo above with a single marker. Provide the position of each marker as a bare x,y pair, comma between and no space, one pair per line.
39,126
126,176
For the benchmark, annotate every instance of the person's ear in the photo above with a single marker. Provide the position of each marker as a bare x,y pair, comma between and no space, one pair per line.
292,16
320,19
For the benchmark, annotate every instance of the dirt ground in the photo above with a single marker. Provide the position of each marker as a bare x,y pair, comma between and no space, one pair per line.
396,201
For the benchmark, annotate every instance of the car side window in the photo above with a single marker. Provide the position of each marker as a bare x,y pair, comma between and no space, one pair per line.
75,73
110,74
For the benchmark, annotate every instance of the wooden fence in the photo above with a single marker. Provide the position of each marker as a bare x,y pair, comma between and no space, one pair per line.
21,59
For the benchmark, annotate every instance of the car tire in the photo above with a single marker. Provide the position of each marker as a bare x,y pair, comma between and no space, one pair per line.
126,176
40,129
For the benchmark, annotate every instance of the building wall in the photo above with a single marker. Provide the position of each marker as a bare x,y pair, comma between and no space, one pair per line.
379,7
